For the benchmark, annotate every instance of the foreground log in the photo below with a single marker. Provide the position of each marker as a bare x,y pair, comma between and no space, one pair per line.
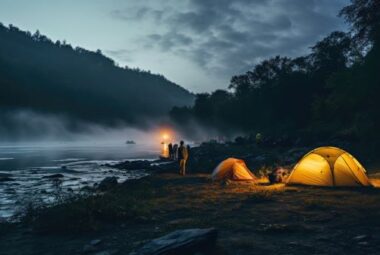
186,241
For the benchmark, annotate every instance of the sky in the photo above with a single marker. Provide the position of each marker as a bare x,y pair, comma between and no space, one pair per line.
198,44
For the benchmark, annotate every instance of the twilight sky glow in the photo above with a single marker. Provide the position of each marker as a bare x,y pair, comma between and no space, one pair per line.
198,44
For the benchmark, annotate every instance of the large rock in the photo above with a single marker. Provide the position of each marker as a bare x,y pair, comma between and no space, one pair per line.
6,179
186,241
53,176
107,183
133,165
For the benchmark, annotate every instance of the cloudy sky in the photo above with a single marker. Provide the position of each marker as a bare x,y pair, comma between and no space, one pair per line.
198,44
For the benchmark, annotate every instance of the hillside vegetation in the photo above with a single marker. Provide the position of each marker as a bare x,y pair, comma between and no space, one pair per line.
332,93
53,77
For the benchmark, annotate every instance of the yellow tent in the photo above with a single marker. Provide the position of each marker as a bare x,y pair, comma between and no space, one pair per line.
232,169
329,166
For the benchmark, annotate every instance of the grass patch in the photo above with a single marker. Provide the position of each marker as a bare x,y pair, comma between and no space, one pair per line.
83,214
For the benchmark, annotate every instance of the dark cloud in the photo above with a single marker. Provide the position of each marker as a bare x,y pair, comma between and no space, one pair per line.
229,36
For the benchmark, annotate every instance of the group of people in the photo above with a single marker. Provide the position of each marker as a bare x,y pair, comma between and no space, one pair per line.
179,153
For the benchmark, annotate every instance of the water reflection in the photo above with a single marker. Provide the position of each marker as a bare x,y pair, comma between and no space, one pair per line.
25,172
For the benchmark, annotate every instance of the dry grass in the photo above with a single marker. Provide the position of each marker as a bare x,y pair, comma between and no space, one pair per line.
265,217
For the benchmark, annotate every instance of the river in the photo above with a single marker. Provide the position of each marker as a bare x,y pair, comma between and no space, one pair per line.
24,170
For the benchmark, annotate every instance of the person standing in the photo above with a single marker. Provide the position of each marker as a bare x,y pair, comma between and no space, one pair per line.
175,151
183,155
170,147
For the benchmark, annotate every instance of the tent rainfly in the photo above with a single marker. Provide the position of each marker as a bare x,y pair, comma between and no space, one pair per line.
329,166
232,169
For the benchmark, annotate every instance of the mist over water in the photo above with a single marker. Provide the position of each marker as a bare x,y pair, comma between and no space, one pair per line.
32,127
35,146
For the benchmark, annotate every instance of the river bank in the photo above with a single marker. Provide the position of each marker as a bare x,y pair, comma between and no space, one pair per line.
275,219
265,219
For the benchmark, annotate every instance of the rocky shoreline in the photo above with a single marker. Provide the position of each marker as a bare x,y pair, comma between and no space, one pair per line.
165,208
205,158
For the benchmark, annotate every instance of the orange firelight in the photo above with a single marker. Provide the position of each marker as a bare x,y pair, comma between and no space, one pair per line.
165,136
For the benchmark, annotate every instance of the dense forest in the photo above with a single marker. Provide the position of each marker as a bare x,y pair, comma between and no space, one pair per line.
332,93
54,78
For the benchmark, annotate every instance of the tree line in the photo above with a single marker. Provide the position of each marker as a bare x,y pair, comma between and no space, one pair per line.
331,93
40,75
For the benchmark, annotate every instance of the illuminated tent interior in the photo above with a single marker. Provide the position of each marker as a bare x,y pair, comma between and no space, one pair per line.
232,169
329,166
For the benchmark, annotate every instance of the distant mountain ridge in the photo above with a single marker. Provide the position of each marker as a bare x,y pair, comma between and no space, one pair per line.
55,78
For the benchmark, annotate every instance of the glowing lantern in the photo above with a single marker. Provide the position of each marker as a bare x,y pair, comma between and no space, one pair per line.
165,148
165,135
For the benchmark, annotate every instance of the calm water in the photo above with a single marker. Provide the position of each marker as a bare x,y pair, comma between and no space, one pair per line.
81,166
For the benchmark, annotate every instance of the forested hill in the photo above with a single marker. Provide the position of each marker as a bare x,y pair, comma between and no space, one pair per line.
53,77
331,93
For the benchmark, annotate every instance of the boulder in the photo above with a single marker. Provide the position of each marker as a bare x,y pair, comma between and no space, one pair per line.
186,241
53,176
6,179
107,183
133,165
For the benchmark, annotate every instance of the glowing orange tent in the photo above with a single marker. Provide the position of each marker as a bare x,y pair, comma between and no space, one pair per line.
329,166
232,169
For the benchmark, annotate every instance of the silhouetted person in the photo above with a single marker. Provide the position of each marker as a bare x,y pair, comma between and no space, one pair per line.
170,148
175,152
183,155
188,150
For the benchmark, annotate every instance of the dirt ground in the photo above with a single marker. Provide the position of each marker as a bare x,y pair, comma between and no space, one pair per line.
250,219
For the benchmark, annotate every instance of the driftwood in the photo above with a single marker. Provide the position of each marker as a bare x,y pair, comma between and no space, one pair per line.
186,241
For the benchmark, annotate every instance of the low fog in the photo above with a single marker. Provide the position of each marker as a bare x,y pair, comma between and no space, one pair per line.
25,126
29,127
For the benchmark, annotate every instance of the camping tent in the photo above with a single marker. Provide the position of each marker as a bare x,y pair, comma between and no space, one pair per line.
232,169
329,166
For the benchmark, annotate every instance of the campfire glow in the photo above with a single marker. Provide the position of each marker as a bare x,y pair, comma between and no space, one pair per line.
166,137
165,150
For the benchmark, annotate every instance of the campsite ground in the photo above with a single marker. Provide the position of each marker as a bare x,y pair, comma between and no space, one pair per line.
265,219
